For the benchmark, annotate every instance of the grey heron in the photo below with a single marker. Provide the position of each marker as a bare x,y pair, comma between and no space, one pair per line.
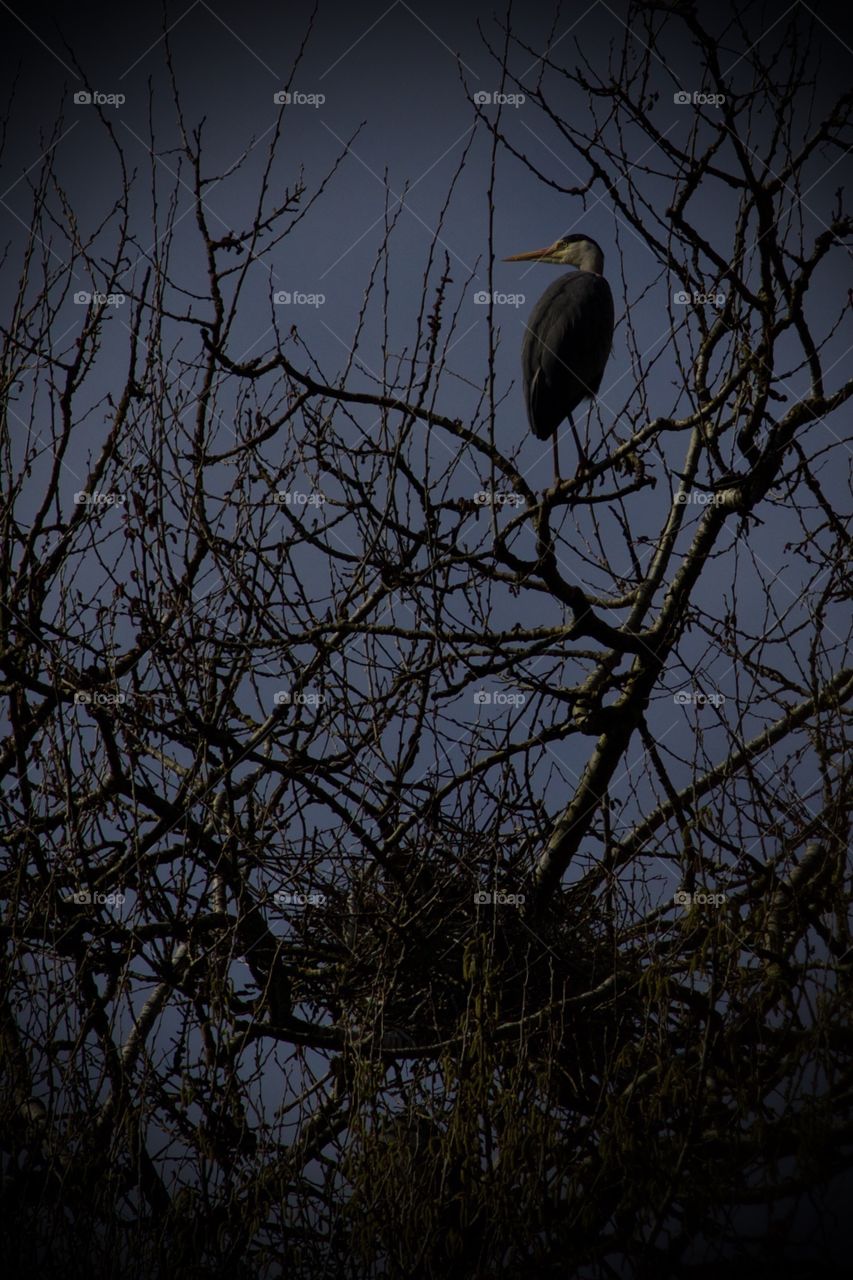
567,339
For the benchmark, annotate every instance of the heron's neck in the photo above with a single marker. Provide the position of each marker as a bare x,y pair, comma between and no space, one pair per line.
590,258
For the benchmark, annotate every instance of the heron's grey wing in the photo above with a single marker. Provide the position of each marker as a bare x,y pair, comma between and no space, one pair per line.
541,411
566,348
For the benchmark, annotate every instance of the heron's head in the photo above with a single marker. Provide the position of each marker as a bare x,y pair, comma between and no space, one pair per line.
568,251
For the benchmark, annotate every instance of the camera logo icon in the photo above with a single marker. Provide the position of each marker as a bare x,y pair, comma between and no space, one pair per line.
485,899
284,698
284,98
681,99
482,697
284,297
99,698
83,98
684,899
482,298
293,498
85,898
283,898
681,298
482,99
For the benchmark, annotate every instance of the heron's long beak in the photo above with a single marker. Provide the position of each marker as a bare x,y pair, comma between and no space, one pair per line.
533,256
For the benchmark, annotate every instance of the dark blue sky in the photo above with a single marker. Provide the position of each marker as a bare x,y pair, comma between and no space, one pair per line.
389,87
401,78
397,82
402,75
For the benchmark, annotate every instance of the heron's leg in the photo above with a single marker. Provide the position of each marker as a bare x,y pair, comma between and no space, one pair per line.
583,461
556,457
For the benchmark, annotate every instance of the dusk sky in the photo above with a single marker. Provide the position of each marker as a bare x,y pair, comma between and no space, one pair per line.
391,92
414,166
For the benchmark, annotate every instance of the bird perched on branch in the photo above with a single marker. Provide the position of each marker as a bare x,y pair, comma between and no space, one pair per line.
567,339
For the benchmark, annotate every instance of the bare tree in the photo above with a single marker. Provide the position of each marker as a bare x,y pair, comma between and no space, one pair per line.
412,872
